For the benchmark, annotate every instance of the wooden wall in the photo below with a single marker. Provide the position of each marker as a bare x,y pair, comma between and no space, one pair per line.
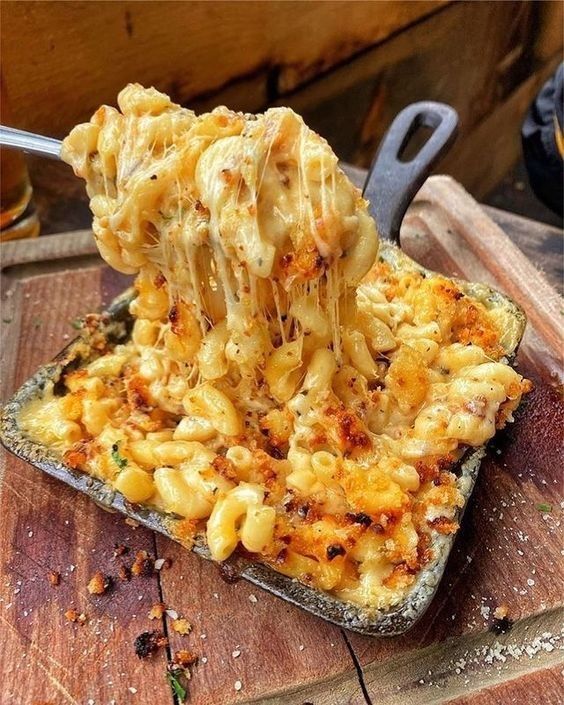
348,67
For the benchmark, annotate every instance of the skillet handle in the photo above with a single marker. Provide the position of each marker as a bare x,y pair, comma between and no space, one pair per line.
392,183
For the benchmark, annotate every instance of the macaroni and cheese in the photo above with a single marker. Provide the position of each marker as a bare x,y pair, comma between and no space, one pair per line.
285,391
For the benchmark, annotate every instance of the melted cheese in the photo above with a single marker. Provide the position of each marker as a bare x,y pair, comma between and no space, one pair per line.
272,394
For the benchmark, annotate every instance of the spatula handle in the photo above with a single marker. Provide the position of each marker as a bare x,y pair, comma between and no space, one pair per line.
30,142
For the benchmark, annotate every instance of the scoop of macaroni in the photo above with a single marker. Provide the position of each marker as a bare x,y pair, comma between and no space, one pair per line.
284,391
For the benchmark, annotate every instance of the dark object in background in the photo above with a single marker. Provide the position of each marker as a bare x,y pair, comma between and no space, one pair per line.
543,143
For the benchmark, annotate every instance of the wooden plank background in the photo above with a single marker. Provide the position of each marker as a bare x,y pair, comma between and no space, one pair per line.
348,67
506,553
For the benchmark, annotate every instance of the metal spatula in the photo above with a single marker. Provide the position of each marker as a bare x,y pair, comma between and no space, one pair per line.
30,142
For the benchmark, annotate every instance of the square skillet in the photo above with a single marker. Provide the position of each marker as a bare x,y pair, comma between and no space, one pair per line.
390,187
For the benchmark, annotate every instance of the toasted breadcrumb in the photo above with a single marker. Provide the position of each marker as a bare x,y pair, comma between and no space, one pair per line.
143,564
184,658
157,610
501,623
501,612
54,578
98,584
182,626
131,522
120,549
124,573
148,643
75,616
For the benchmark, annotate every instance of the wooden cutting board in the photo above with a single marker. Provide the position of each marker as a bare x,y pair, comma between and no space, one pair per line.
253,647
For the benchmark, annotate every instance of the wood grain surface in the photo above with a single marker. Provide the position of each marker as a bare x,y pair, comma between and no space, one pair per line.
507,552
185,49
347,67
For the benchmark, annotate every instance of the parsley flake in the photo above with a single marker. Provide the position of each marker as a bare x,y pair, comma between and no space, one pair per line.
175,684
117,458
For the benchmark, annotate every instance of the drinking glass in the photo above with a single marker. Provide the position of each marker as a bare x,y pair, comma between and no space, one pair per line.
18,218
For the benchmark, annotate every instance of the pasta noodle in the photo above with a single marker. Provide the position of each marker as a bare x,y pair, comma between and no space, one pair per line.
283,389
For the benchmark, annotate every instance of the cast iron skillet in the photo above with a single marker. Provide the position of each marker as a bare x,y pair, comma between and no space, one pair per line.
392,183
390,186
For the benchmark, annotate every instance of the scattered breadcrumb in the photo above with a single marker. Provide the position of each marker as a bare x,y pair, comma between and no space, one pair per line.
75,616
131,522
99,583
124,573
54,578
157,610
142,565
148,643
120,549
184,658
501,612
182,626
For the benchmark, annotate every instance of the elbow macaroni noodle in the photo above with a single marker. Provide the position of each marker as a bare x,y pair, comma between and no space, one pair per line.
283,389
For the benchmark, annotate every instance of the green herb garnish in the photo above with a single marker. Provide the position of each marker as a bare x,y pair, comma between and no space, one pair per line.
37,322
117,458
544,507
7,320
77,323
175,684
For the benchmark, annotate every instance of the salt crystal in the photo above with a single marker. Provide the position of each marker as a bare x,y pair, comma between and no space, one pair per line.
530,582
132,689
30,534
159,563
173,614
236,653
238,685
252,598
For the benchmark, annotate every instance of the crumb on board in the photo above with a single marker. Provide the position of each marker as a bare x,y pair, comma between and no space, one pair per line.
157,610
124,573
238,685
148,643
253,599
75,616
143,565
184,658
131,522
99,583
54,578
501,611
120,549
182,626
